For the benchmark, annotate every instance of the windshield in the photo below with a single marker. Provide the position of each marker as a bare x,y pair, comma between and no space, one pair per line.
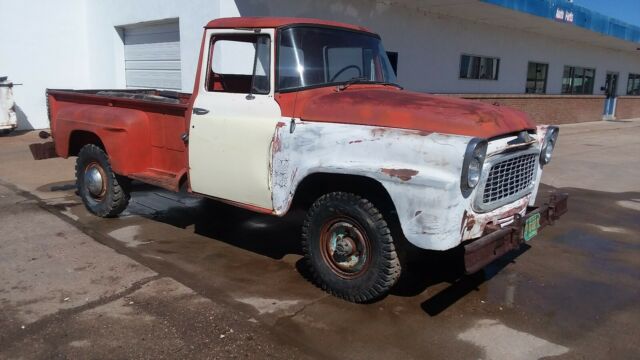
314,56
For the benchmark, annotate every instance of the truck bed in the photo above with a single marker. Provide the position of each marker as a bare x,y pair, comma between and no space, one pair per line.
141,130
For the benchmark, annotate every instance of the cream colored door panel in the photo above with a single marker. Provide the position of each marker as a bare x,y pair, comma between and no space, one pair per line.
230,146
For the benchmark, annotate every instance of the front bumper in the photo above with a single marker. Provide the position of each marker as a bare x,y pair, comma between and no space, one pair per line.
498,241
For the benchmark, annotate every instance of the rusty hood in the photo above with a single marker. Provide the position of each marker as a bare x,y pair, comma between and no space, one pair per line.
390,107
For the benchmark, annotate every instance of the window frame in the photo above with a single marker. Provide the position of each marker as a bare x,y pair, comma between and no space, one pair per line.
633,81
496,76
545,79
230,37
572,77
276,60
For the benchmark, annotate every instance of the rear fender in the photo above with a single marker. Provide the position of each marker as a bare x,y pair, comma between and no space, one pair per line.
122,132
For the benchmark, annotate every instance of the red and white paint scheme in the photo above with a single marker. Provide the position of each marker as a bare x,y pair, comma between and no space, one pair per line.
313,117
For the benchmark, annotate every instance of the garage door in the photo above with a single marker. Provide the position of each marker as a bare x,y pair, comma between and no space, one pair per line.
152,56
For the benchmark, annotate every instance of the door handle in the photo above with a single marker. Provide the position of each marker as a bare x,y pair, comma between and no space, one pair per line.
200,111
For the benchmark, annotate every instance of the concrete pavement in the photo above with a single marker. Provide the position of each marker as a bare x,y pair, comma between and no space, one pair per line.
64,295
573,293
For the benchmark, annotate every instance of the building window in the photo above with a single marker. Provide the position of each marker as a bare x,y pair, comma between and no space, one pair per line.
578,80
479,67
393,59
537,78
633,86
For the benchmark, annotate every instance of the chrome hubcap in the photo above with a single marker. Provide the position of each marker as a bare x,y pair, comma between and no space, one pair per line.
94,181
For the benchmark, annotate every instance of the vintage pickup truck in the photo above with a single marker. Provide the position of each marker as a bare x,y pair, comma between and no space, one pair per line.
292,112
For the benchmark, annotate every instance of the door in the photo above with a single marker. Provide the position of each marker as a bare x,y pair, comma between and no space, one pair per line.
235,117
611,91
152,55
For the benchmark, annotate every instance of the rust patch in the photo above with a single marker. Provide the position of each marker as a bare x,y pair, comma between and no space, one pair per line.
378,132
402,174
277,142
280,124
468,221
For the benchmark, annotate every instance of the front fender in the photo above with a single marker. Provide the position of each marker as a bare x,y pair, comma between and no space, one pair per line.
420,171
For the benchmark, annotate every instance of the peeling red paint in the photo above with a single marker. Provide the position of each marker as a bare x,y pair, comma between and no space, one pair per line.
402,174
468,222
277,143
378,132
386,107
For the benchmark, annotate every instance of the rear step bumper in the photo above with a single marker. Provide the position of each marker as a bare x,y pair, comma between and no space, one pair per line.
482,251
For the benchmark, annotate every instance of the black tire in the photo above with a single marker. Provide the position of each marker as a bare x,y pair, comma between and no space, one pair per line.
353,228
114,197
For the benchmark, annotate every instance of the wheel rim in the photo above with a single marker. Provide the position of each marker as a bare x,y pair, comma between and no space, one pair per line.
94,181
345,247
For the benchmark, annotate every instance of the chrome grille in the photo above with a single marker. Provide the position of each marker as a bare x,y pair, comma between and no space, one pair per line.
509,177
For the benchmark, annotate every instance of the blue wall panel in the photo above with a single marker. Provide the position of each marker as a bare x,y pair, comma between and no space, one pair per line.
566,12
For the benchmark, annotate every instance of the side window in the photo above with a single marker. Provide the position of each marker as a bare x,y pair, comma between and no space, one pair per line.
239,64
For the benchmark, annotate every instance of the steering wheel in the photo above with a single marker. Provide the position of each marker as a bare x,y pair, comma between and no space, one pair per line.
345,69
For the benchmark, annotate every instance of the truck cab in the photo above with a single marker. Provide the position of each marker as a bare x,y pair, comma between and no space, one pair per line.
290,112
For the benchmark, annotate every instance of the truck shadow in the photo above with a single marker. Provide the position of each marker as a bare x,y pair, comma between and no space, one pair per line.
266,235
610,235
275,238
447,267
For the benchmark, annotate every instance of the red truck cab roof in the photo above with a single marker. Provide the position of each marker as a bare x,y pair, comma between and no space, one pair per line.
276,22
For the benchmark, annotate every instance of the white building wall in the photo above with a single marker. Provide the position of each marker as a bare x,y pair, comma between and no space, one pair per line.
43,45
77,44
106,48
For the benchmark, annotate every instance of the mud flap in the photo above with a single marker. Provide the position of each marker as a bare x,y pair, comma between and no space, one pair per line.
41,151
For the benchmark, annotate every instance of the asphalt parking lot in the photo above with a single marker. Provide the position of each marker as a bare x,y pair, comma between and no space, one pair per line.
178,277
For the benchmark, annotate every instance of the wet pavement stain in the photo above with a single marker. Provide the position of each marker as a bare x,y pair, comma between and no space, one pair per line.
568,285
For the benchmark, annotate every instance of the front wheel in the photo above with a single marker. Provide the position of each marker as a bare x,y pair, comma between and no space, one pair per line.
103,192
349,248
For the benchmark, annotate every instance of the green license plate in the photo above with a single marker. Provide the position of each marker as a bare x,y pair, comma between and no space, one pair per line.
531,227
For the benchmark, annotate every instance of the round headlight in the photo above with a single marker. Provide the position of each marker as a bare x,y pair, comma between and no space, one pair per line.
548,145
472,165
473,174
548,152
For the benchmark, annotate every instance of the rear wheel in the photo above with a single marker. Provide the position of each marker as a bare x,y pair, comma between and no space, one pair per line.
349,248
103,192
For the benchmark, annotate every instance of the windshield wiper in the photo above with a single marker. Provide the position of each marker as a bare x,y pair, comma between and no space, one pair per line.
353,80
391,84
364,80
